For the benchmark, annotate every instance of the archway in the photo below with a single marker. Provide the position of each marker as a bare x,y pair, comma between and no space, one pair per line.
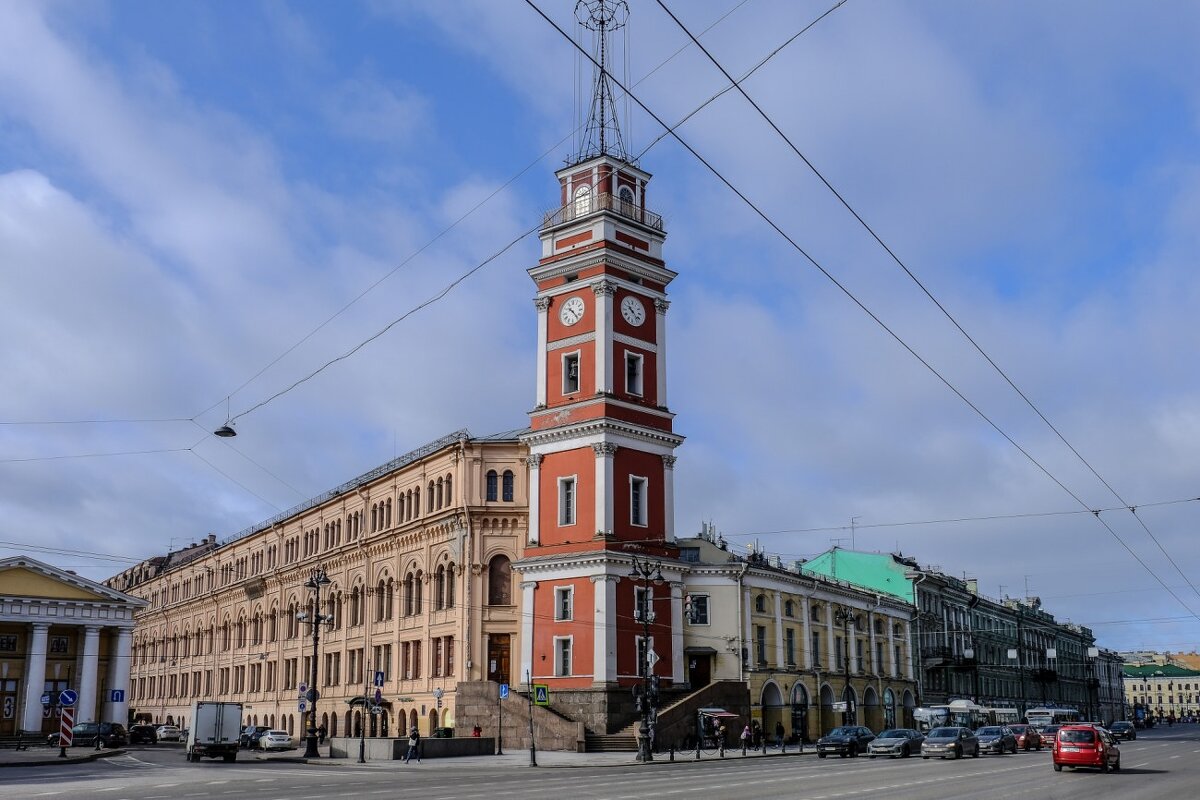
383,724
772,708
349,723
325,723
872,714
850,698
909,704
372,725
800,712
826,720
413,719
358,726
889,708
333,725
170,719
433,721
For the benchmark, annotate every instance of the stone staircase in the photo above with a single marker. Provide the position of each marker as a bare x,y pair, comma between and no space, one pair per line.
621,742
679,713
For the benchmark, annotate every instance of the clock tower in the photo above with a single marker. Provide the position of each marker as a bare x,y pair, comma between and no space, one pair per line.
601,444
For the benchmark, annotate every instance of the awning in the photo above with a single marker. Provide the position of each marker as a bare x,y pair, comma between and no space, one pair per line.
357,700
700,651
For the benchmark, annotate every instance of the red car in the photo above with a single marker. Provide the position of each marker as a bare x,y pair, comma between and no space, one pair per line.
1085,746
1028,737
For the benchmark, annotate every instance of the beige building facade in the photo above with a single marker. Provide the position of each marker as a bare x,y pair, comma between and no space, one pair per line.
417,554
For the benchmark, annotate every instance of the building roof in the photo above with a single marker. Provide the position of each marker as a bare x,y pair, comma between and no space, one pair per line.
1159,671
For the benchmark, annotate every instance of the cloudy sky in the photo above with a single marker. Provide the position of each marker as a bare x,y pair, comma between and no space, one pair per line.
206,201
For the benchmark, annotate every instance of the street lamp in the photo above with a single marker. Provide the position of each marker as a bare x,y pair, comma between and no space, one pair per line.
649,573
847,620
316,580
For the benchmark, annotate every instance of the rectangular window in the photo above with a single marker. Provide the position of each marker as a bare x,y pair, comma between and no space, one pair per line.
838,652
879,658
562,656
816,648
858,655
450,656
406,660
416,660
633,373
570,367
637,501
760,643
438,654
643,601
896,671
699,609
566,501
564,603
789,646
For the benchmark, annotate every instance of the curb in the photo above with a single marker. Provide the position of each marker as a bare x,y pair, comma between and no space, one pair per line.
83,759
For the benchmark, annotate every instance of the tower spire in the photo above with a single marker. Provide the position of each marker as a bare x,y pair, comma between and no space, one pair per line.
602,134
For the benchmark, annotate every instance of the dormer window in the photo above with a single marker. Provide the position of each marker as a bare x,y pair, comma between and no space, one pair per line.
583,200
626,195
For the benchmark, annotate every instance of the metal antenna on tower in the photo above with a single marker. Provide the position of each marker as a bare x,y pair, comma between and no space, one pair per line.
602,134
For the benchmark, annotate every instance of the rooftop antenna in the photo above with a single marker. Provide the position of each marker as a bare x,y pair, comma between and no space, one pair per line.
853,527
602,134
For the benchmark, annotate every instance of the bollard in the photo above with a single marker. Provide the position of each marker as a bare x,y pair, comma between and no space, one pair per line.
697,749
743,747
672,752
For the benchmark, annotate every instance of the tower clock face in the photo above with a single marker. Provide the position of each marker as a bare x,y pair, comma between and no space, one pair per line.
633,311
572,311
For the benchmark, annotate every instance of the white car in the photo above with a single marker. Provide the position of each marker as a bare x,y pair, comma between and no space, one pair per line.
169,733
276,740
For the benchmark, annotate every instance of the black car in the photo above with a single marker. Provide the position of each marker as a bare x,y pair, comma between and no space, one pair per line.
143,734
847,740
251,734
1123,730
86,734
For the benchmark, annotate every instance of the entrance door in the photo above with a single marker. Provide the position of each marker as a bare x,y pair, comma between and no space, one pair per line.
499,650
699,671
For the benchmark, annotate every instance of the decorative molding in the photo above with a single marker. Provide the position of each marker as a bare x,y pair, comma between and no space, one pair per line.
649,347
604,449
603,425
604,288
661,305
669,461
570,341
646,270
542,303
534,461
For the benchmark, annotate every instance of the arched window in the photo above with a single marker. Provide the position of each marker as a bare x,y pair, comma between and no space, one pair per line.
500,581
450,586
380,597
389,599
429,506
760,603
440,485
439,588
789,609
493,486
508,486
626,195
814,612
418,581
408,595
417,503
449,490
374,518
583,200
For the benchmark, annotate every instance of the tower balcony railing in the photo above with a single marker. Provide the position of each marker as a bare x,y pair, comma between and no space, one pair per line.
577,209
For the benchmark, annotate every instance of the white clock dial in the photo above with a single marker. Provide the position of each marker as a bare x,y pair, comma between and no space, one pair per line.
633,311
572,311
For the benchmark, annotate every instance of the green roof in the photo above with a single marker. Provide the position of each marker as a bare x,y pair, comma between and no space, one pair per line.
1158,671
879,572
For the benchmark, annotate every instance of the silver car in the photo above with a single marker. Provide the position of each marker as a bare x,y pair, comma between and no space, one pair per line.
998,739
901,742
950,741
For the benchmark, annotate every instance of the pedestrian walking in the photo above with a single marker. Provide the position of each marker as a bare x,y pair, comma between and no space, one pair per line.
321,731
745,738
414,746
779,733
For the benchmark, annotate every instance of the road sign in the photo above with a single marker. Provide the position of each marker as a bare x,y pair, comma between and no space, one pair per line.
46,699
839,706
541,694
312,695
118,696
68,697
66,727
504,691
379,677
303,688
303,706
651,659
376,710
378,696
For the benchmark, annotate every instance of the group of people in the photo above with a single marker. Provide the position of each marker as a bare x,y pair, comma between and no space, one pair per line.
755,738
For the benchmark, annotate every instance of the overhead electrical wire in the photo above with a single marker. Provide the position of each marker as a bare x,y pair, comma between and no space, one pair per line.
928,294
853,298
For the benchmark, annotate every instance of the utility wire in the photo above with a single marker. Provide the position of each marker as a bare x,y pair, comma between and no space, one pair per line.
101,455
929,294
945,381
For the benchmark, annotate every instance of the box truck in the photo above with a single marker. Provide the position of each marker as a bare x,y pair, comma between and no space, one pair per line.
214,730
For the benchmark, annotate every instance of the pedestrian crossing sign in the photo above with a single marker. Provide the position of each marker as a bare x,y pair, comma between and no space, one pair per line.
541,694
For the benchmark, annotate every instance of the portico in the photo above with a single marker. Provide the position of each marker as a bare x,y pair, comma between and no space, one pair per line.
60,631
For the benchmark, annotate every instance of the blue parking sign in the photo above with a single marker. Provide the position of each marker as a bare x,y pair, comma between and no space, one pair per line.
118,696
504,691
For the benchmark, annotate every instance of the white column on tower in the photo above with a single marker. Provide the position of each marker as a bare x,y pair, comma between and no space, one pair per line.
534,462
604,335
543,306
35,676
677,588
604,485
660,340
527,612
604,629
669,497
90,666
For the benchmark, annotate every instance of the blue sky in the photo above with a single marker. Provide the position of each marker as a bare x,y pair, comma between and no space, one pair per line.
189,189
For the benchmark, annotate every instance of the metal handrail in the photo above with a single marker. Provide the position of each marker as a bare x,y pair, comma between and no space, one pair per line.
602,202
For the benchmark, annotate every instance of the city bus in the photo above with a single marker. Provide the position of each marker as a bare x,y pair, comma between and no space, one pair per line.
1038,717
962,713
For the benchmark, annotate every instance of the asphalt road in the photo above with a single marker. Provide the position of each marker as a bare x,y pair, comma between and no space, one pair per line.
1162,763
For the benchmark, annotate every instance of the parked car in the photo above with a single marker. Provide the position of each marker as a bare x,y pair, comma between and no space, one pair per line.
1028,737
1123,730
998,739
85,734
902,742
143,734
847,740
169,733
1085,746
1048,732
276,740
251,734
950,741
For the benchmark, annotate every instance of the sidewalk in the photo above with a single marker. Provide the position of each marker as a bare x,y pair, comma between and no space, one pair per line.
41,755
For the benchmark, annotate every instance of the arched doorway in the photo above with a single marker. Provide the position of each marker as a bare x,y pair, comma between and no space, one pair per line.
850,698
349,723
800,712
889,708
372,725
772,708
909,704
383,724
333,725
827,720
358,726
170,719
433,721
325,723
872,715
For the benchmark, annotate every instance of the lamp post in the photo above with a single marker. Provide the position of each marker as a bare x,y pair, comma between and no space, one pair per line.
847,620
650,573
1093,686
316,580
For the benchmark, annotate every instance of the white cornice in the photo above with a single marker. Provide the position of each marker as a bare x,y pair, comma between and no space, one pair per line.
591,258
602,400
602,426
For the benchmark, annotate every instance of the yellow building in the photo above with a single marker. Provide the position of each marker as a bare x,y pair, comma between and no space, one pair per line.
1162,691
59,631
417,555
